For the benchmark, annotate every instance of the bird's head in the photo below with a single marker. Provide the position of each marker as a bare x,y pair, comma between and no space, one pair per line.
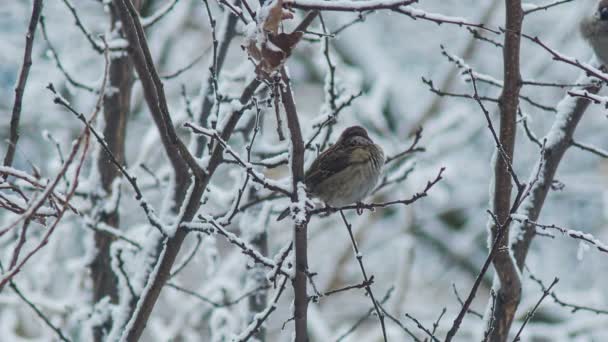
602,11
354,136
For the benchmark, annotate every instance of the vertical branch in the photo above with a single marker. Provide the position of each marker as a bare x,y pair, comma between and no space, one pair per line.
559,139
210,78
507,274
257,302
300,230
116,105
132,328
20,88
153,90
259,240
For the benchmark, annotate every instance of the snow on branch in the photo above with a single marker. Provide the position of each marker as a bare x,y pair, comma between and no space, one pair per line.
209,225
257,176
575,234
261,317
558,140
347,5
150,212
558,56
439,19
531,8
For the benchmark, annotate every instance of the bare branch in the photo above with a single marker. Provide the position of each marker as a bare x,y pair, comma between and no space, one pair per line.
573,307
535,8
531,312
347,5
159,14
22,80
366,279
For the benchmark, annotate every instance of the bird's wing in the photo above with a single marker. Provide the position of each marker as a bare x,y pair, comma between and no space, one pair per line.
328,164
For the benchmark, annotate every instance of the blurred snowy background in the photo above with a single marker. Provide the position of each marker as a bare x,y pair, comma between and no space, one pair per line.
422,252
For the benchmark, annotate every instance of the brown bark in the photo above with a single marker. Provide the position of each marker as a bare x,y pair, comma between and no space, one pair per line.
300,236
21,82
184,165
116,107
552,156
509,291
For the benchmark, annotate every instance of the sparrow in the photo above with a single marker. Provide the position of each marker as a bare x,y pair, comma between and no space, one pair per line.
346,172
594,29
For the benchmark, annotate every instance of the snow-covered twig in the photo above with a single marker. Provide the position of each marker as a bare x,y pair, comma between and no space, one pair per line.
9,274
150,213
558,140
347,5
531,8
36,183
257,176
209,225
439,19
596,99
575,234
227,31
558,56
261,317
60,334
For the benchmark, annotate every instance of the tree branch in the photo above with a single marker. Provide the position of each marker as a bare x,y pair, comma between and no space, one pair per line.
22,80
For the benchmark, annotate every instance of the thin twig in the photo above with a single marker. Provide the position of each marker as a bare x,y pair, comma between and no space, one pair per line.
368,287
531,312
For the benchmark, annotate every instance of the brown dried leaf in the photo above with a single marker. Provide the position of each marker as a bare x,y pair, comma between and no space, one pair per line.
276,14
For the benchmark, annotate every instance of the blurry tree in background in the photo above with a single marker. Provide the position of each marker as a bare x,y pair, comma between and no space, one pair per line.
149,146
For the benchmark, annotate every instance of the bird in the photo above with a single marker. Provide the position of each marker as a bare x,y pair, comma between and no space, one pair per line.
594,28
346,172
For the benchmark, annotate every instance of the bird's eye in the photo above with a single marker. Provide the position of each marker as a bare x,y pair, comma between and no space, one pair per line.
604,13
